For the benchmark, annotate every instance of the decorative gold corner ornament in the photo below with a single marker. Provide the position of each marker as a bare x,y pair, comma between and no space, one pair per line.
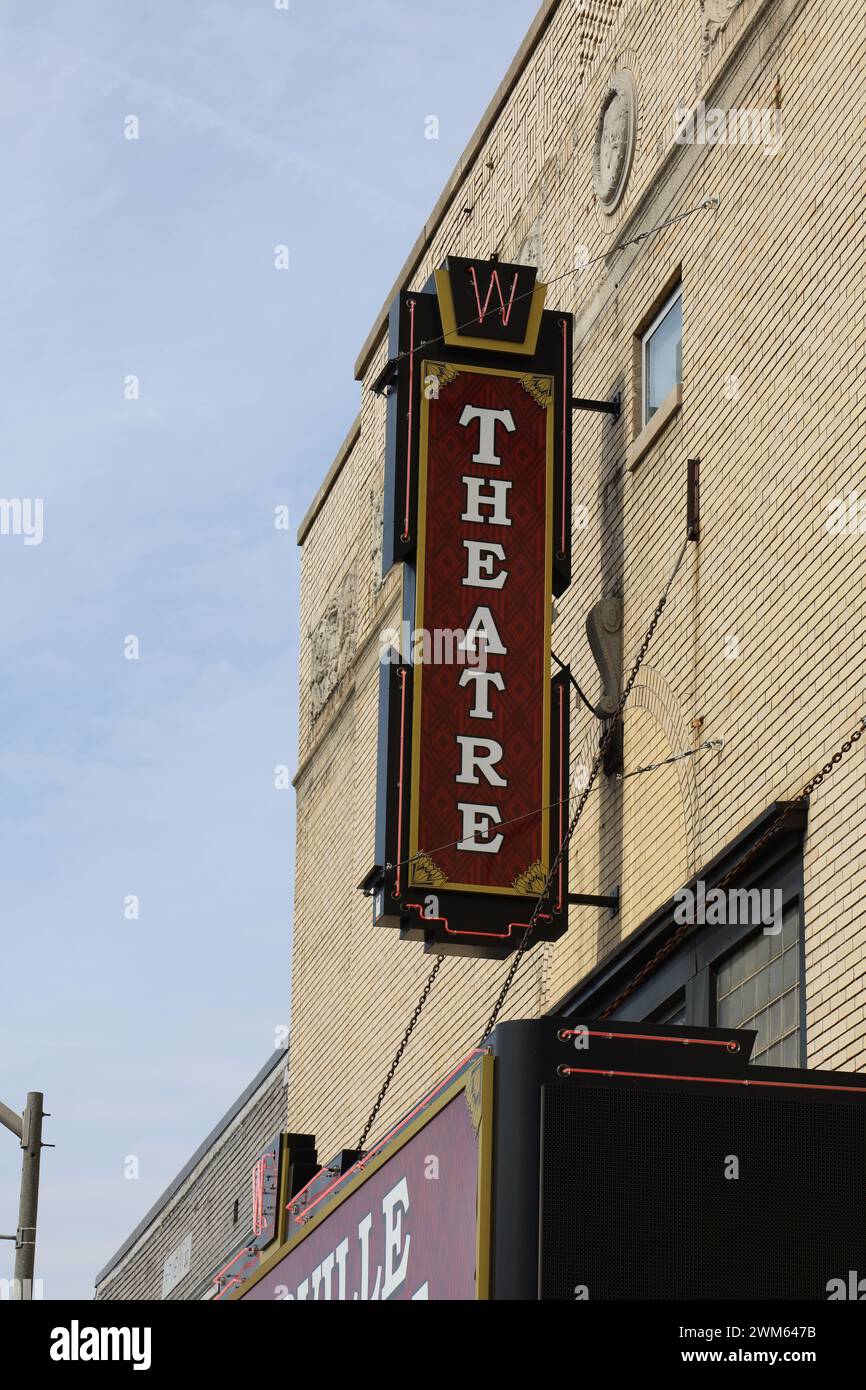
472,1094
426,871
443,371
540,389
532,880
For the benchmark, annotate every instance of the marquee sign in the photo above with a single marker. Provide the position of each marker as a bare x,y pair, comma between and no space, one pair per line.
413,1223
534,1193
473,735
266,1193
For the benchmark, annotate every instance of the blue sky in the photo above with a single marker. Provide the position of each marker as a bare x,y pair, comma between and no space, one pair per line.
154,258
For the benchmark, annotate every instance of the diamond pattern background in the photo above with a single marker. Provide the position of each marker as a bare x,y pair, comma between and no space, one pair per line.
519,609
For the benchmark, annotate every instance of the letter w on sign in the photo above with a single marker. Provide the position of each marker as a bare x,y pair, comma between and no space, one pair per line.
504,310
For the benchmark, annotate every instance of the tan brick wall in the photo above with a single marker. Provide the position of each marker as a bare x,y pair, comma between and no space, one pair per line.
773,295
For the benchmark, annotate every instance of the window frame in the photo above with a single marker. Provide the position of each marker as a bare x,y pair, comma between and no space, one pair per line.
690,970
714,948
672,1005
668,303
789,898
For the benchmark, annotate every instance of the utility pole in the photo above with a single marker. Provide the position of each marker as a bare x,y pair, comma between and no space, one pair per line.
28,1128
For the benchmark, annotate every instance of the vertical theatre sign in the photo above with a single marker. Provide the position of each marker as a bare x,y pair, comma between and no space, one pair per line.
473,729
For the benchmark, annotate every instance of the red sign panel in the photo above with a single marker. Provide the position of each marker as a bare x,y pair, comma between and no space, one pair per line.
481,722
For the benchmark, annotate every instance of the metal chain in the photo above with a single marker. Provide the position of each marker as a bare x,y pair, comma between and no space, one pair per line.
606,740
604,744
399,1053
772,829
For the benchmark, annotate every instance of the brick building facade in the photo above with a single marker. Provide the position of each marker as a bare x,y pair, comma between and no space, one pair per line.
761,646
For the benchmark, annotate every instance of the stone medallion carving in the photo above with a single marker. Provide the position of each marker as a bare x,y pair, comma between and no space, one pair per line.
715,15
333,644
613,148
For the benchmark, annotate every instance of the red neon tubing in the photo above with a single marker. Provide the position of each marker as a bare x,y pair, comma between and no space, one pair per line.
493,935
731,1044
714,1080
397,888
359,1164
405,535
505,316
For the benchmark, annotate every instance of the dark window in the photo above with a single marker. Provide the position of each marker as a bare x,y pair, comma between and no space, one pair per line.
736,974
758,986
672,1012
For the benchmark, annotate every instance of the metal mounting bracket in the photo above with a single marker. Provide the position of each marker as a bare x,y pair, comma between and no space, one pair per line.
611,407
594,900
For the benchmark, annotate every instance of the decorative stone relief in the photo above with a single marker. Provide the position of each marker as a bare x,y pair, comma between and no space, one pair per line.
613,148
715,15
530,248
377,523
333,644
604,634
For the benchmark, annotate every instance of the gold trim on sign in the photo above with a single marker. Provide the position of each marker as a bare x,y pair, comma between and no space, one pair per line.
532,880
426,872
540,389
455,338
472,1096
283,1193
444,372
484,1237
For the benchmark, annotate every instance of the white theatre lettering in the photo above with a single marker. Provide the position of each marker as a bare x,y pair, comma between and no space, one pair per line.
481,708
496,497
477,821
329,1280
488,420
486,504
480,564
484,628
479,754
